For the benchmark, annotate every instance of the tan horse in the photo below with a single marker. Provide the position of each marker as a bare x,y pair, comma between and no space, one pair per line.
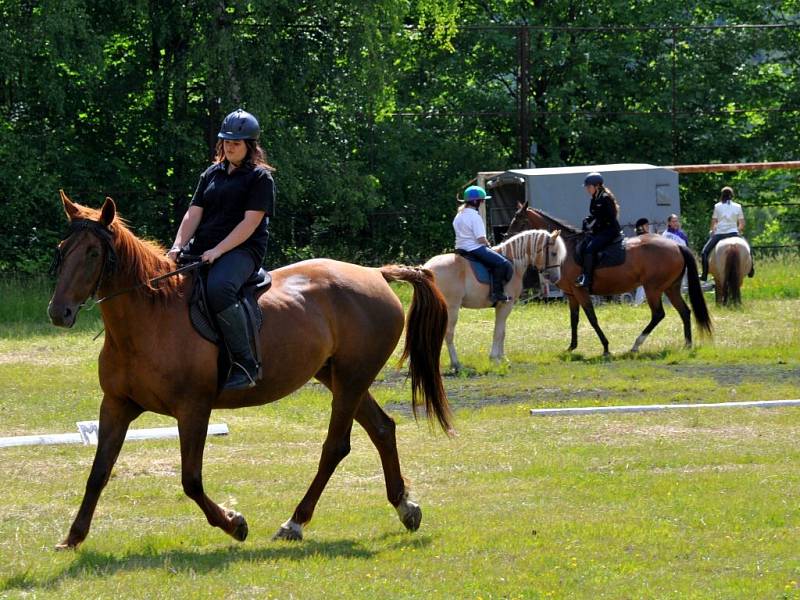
729,263
456,280
331,320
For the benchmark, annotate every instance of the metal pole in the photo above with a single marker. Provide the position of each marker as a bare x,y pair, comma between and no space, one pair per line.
523,49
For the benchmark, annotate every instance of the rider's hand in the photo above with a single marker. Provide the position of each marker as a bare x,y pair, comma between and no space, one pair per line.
173,253
210,256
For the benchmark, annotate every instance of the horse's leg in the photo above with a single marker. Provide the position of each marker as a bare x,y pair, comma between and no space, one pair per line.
574,317
656,315
192,429
588,309
334,449
501,312
452,319
115,416
674,295
381,430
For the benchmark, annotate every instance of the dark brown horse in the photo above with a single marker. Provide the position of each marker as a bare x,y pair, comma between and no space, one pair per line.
650,261
334,321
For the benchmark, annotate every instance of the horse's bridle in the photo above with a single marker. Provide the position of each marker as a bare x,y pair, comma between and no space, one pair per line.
109,264
100,231
545,248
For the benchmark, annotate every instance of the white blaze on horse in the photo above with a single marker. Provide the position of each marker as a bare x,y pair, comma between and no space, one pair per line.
461,288
728,263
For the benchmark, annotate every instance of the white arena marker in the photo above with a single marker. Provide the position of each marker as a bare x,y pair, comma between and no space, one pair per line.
593,410
88,435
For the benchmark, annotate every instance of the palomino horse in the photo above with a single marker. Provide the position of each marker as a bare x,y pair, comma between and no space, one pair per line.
457,281
729,263
334,321
650,261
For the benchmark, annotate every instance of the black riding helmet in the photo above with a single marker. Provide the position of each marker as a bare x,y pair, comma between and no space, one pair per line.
239,125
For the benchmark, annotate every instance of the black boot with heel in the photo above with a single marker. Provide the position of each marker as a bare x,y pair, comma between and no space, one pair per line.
244,368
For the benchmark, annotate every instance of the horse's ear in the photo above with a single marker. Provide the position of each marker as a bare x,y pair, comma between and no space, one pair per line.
555,234
522,205
69,206
108,212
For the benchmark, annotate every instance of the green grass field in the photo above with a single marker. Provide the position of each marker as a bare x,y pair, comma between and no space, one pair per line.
678,504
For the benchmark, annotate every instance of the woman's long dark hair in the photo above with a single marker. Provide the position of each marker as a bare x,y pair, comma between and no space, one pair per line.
601,189
255,157
726,195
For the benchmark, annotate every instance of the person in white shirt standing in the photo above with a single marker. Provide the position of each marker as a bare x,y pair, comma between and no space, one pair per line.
471,240
727,221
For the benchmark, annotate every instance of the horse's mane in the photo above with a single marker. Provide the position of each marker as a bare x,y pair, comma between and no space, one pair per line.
521,248
557,223
138,260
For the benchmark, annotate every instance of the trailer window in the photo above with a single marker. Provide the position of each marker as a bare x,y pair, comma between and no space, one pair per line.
663,196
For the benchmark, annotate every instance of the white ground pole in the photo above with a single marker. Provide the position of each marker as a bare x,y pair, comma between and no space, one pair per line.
87,435
593,410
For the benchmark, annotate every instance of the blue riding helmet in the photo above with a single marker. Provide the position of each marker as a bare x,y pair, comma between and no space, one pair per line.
239,125
593,179
474,194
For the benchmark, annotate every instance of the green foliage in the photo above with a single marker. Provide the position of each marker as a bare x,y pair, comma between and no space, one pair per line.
376,114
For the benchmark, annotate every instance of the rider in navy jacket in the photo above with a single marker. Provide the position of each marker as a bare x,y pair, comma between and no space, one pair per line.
602,224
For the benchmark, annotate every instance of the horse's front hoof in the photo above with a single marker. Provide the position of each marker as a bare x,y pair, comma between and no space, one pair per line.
240,530
410,514
289,531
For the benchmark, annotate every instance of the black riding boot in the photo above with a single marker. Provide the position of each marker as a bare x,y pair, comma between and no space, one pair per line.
585,279
244,369
704,262
752,266
498,287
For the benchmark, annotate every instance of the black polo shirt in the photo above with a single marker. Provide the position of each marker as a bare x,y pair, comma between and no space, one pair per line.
224,199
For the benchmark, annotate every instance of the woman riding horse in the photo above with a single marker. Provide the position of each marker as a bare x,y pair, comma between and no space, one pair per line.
726,221
602,224
226,223
471,240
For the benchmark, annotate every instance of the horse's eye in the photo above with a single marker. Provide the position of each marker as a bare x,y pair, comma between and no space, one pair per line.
93,253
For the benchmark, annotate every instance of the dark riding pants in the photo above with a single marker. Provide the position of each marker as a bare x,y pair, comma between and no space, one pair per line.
499,266
226,276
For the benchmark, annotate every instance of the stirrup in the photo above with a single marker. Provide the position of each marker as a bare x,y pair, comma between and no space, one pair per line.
580,281
239,378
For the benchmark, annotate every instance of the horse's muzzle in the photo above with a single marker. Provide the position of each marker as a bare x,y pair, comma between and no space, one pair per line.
62,315
553,275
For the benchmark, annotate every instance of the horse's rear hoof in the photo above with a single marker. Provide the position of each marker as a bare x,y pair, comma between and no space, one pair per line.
65,545
239,523
289,531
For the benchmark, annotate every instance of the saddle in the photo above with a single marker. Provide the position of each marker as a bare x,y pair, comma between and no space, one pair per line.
205,323
481,271
612,255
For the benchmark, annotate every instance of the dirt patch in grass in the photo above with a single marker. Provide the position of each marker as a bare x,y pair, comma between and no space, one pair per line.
40,357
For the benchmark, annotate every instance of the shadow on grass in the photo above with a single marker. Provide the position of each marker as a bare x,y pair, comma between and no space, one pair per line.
667,354
89,562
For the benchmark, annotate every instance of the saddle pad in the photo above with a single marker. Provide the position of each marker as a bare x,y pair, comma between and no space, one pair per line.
480,270
612,255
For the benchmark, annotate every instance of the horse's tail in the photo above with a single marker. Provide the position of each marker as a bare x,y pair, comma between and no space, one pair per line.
696,298
425,329
730,289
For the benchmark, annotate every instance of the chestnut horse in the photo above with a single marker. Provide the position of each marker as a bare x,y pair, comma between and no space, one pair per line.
729,263
334,321
651,261
456,280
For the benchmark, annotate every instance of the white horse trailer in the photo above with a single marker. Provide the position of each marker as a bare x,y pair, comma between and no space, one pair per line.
642,191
